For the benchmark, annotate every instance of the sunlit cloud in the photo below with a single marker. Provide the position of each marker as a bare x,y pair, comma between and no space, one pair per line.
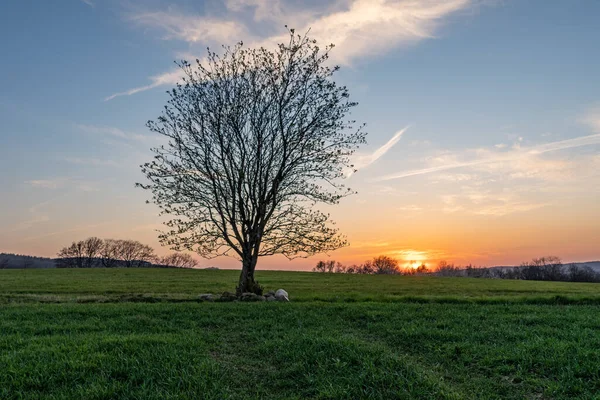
370,244
410,208
509,158
358,28
369,27
487,203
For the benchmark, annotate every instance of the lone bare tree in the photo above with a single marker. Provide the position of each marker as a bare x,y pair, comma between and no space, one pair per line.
256,139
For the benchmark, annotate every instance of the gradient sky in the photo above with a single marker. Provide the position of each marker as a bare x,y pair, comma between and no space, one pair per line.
483,120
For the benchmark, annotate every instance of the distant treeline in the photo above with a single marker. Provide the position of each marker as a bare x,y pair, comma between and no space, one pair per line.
100,253
548,268
94,252
15,261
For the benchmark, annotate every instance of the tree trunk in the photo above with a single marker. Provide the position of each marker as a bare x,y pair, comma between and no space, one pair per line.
247,282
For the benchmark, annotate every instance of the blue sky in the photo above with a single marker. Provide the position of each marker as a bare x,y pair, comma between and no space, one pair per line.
501,100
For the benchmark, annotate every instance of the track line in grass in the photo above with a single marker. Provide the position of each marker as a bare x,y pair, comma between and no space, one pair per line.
13,298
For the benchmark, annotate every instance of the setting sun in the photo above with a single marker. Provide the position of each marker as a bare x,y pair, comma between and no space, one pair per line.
414,264
410,258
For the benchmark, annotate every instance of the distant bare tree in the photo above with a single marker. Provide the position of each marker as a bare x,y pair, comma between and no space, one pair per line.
445,269
256,140
72,256
583,274
92,247
325,266
93,251
352,269
180,260
366,268
549,268
110,252
320,267
340,268
385,265
422,270
81,254
135,254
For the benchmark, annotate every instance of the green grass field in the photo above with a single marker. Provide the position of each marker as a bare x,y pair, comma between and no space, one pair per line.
142,334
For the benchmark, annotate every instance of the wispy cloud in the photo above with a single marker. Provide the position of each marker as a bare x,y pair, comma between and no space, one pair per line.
47,183
113,132
358,28
76,229
487,203
89,3
169,78
62,183
91,161
263,9
192,28
486,156
362,161
592,118
148,227
37,214
27,224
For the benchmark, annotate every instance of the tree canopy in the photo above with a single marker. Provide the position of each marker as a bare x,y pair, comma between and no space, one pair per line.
256,139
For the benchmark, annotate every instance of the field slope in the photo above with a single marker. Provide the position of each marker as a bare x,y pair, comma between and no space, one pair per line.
142,334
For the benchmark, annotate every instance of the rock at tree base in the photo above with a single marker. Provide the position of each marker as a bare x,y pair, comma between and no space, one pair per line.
252,297
281,295
226,296
207,297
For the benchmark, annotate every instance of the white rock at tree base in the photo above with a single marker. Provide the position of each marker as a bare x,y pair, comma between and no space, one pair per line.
281,295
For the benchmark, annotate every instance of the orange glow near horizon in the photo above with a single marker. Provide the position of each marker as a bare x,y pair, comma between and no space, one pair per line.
411,259
411,237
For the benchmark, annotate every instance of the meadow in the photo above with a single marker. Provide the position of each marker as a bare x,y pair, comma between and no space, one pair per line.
144,334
